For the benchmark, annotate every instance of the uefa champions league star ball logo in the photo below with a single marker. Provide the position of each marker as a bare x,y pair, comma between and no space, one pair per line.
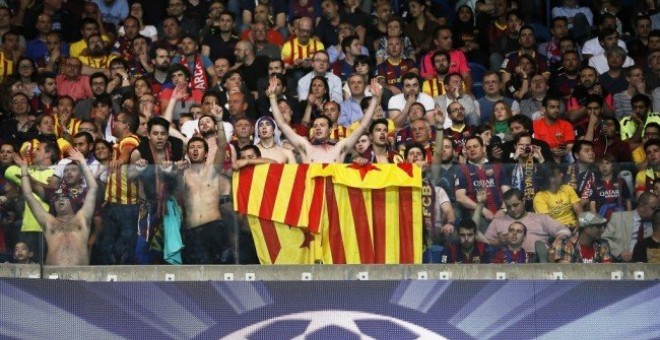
333,323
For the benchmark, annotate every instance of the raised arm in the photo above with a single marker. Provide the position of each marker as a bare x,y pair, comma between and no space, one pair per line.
296,140
42,216
221,139
348,142
179,93
89,204
439,144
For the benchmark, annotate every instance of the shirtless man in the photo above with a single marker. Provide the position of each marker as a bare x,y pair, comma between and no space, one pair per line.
267,139
67,233
206,235
323,153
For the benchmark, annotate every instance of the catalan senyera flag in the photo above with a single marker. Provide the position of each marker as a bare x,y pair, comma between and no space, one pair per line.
332,213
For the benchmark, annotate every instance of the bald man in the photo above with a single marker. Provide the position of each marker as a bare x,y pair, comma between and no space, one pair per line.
250,66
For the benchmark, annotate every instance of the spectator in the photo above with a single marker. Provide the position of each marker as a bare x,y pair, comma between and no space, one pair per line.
394,29
611,193
137,11
320,67
553,130
43,157
391,70
297,53
252,67
263,45
177,9
319,152
492,93
646,177
118,238
636,85
442,38
478,175
541,228
467,249
152,163
71,82
23,254
632,127
556,199
220,41
647,250
601,61
411,93
435,86
455,92
527,43
587,246
513,251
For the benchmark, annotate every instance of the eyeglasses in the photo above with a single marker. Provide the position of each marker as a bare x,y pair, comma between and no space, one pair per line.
145,101
323,61
458,109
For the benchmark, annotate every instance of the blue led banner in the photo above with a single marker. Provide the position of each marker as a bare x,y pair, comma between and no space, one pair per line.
322,309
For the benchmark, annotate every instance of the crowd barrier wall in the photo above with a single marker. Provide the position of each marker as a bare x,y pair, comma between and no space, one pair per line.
399,309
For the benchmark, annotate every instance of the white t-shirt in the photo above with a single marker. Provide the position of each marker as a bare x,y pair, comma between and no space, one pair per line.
592,47
188,129
398,102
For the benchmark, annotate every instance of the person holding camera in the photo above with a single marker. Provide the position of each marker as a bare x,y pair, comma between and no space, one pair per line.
523,175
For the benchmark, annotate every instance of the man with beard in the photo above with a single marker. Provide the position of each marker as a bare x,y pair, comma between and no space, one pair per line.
267,139
45,100
603,132
459,131
541,228
98,83
250,66
209,100
553,130
88,27
160,59
565,82
152,164
467,249
435,86
589,85
199,65
206,234
66,233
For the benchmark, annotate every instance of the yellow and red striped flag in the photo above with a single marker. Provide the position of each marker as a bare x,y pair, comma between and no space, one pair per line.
334,213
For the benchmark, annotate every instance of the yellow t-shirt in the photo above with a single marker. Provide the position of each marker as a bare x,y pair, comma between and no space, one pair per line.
13,174
76,48
559,206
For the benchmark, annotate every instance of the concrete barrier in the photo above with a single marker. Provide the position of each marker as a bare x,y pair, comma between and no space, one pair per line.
638,271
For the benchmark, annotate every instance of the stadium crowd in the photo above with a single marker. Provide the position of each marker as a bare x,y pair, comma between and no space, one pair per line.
539,141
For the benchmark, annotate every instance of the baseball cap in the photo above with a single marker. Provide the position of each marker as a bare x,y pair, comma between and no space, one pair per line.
588,218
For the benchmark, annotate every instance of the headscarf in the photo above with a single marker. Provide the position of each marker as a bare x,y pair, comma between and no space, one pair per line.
276,130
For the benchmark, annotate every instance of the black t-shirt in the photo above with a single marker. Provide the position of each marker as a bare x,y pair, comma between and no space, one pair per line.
252,73
647,251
